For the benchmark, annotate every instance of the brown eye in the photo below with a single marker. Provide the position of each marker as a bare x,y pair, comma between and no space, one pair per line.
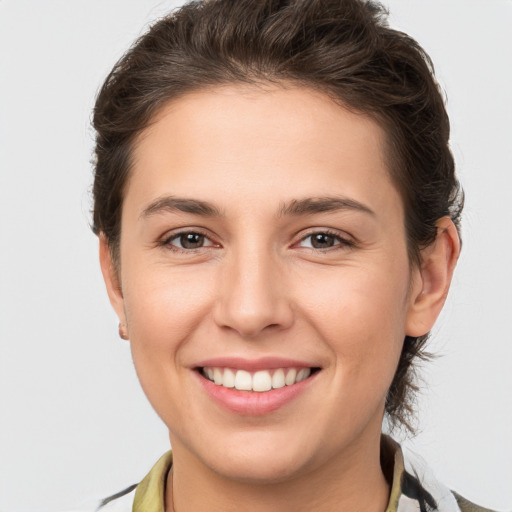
191,240
322,241
325,240
188,240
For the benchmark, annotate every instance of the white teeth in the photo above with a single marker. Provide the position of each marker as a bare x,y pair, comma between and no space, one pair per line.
229,378
303,374
260,381
290,377
243,380
217,376
278,379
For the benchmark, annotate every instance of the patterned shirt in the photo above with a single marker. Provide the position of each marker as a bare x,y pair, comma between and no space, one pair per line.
413,487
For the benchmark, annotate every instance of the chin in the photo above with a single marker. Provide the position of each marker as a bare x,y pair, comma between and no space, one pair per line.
258,469
260,458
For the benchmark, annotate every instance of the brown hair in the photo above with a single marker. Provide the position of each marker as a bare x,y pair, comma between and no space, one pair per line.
343,48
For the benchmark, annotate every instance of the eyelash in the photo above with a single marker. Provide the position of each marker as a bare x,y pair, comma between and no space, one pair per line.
166,242
341,241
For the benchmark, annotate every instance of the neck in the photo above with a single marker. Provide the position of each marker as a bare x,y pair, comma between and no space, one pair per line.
350,481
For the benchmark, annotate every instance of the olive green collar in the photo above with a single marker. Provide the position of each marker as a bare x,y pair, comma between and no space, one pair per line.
150,493
391,451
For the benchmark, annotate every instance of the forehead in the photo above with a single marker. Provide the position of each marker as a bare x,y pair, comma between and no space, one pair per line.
256,142
268,114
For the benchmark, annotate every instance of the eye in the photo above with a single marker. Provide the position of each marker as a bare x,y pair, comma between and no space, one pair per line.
324,240
188,240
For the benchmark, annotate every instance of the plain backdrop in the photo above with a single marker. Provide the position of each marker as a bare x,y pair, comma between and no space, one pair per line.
74,424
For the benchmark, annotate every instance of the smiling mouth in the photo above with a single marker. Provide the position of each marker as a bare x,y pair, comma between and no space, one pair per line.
258,381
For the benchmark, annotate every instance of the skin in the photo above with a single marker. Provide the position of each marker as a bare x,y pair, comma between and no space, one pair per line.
258,288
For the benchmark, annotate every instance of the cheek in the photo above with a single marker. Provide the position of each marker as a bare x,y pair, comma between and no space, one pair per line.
360,314
163,303
164,308
362,300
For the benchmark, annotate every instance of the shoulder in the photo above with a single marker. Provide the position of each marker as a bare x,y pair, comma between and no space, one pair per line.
418,482
466,505
149,494
119,502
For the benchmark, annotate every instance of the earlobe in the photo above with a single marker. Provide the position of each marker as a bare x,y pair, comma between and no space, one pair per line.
111,278
432,280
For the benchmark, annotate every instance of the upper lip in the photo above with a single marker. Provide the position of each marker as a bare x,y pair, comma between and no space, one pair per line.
263,363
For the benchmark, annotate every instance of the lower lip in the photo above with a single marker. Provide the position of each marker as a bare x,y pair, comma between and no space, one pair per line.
254,403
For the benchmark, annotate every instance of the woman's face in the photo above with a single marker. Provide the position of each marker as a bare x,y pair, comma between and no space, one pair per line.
261,236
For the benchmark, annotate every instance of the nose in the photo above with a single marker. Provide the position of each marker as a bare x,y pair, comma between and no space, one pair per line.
253,296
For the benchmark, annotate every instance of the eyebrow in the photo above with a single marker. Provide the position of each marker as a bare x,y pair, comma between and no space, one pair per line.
174,204
296,207
311,205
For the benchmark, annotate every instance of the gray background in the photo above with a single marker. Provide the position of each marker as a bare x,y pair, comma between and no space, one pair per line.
73,423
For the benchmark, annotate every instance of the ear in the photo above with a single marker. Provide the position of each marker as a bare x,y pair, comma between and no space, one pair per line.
111,278
431,282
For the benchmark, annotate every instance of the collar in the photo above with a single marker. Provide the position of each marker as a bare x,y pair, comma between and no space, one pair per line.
392,459
413,487
150,494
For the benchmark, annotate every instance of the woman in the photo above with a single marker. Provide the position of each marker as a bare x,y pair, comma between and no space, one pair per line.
278,219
